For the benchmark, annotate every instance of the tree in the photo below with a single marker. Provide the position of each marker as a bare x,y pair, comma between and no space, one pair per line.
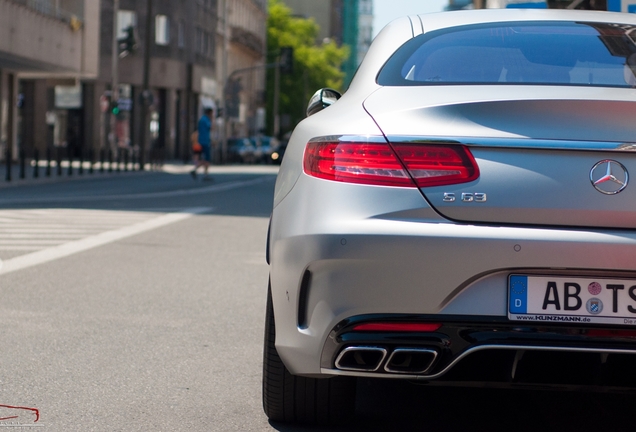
314,66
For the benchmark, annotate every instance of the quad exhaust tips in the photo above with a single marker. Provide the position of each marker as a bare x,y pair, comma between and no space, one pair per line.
401,360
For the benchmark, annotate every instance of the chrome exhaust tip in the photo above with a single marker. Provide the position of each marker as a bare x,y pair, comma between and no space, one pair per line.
361,358
410,360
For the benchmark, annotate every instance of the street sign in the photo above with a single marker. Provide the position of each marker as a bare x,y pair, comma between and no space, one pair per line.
125,104
68,97
621,6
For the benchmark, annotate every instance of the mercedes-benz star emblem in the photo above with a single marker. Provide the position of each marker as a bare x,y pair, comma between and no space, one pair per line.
609,177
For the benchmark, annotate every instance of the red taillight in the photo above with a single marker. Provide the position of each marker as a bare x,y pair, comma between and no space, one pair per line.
390,165
438,165
365,163
397,327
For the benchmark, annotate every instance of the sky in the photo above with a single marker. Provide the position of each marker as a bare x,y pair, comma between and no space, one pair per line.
385,11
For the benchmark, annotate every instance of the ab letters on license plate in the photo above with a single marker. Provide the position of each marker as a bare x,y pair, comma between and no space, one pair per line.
572,299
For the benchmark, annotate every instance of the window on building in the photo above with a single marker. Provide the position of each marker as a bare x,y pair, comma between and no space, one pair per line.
125,19
210,51
181,34
199,40
203,42
162,30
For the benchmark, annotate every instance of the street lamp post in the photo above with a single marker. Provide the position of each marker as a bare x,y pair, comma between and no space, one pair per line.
145,94
114,87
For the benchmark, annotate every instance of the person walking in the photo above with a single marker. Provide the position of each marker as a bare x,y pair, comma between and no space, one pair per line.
204,155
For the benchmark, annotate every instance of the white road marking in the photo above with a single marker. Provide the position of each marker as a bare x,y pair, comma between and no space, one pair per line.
73,247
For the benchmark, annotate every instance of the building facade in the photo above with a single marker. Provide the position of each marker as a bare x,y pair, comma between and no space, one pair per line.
60,61
348,22
48,49
365,28
194,46
176,44
242,52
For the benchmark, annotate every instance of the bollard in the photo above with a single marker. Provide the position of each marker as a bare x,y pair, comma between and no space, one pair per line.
110,160
91,154
58,154
126,160
69,155
118,160
7,158
48,161
22,156
101,160
81,162
36,167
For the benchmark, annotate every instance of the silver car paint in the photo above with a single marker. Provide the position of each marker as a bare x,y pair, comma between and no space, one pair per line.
506,111
365,261
386,250
346,116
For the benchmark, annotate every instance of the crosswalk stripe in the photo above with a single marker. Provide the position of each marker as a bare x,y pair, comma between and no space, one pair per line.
65,249
35,229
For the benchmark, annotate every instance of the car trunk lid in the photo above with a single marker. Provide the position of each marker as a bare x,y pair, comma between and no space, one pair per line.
555,158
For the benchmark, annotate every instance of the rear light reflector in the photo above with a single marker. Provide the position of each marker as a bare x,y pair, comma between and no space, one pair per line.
383,164
397,327
612,333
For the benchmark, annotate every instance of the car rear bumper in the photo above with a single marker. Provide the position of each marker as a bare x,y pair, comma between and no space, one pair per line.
490,350
421,269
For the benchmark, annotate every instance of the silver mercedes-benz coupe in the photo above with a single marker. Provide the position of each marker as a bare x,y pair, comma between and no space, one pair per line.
463,214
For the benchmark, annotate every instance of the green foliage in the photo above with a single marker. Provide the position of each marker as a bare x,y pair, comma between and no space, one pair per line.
315,65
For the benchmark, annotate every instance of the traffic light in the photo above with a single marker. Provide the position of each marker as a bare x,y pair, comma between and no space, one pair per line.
286,62
128,43
114,108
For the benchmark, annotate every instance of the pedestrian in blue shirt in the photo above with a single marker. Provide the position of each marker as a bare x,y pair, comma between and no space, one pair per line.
203,152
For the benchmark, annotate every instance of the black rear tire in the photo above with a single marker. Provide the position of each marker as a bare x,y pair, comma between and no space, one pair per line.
295,399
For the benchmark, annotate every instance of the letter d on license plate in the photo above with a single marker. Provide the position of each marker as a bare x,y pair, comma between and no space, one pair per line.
572,299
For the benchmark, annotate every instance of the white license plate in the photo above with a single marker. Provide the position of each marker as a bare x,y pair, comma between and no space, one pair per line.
572,299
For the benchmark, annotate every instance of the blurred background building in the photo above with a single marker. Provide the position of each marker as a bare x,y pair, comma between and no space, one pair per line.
60,61
48,49
58,69
179,45
245,45
194,46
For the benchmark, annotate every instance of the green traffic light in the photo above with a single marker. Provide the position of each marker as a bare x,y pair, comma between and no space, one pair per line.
115,110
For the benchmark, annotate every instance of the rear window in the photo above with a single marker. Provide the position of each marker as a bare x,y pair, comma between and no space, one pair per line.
544,53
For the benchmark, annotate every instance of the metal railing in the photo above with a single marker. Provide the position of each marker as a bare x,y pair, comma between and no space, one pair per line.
59,161
52,8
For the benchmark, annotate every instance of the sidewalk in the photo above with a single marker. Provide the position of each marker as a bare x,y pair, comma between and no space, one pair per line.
64,175
171,167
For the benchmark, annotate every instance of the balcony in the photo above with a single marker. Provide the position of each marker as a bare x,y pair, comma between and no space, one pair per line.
67,11
247,39
57,37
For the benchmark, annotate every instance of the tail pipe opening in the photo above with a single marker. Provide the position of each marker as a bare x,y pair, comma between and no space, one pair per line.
410,360
361,358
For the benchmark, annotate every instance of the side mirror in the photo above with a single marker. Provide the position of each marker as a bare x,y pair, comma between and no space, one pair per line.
321,100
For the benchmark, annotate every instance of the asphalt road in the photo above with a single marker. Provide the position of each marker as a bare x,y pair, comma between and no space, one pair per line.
135,302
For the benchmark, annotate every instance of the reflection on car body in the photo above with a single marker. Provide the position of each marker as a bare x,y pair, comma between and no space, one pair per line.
463,214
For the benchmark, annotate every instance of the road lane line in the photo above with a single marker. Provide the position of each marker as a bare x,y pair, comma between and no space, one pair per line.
73,247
